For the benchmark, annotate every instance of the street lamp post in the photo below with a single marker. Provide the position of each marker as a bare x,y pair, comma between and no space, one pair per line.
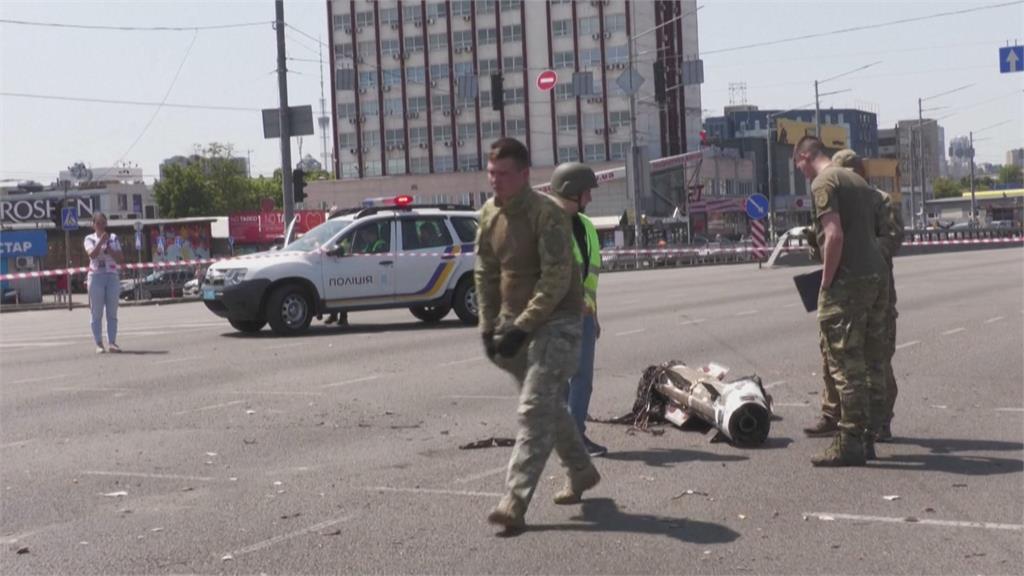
817,106
920,148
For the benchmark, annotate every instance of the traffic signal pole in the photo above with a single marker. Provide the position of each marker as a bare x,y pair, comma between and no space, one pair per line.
286,142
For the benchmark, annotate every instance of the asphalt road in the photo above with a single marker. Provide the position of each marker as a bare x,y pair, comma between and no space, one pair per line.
200,450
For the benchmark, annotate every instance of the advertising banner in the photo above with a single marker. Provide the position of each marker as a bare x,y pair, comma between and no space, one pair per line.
174,242
791,131
266,227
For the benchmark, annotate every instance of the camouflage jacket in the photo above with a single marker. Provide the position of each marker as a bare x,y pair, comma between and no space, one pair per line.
525,271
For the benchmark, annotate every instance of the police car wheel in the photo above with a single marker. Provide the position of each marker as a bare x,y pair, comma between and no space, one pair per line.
464,302
430,314
288,310
248,326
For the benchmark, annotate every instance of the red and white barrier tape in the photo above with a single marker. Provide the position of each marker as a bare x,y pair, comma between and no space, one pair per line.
613,252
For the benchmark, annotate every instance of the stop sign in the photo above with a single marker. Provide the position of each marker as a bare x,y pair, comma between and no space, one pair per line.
546,80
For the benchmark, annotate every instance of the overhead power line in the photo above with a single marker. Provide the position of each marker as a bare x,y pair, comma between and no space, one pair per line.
133,28
127,102
862,28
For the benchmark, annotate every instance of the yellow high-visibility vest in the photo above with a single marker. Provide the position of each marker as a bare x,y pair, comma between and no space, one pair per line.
594,249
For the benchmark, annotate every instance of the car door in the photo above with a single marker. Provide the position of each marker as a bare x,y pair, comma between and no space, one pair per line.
361,270
427,258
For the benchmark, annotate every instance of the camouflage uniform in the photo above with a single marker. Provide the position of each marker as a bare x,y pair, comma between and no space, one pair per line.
527,279
889,236
851,312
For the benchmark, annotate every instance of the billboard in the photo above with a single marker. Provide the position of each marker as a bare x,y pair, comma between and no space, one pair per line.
791,131
266,227
176,242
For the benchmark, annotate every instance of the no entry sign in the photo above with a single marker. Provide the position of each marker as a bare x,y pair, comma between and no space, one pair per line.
546,80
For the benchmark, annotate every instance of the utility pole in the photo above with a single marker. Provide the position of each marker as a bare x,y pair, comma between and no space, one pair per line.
913,182
920,150
286,142
67,245
974,208
817,111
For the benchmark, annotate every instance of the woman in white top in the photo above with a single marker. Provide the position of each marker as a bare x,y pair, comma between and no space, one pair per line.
105,257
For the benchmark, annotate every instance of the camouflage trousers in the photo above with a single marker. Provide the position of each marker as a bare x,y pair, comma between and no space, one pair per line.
854,323
542,369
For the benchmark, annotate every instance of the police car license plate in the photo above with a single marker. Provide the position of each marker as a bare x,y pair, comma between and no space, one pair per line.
209,295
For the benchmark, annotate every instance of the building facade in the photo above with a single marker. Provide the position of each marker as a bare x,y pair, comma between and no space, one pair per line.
413,79
921,139
1015,157
748,121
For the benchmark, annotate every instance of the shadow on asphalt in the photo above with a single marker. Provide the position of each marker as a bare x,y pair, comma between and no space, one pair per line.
662,457
327,330
950,445
943,457
604,515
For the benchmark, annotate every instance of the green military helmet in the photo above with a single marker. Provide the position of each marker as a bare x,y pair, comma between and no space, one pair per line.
571,179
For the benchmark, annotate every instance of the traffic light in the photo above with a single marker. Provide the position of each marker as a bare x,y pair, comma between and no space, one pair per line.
497,92
298,184
58,209
659,81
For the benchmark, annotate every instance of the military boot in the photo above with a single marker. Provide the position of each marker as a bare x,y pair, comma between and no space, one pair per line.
509,513
846,450
884,434
869,446
576,485
825,426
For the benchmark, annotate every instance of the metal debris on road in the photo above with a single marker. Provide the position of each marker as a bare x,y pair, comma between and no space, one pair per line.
689,493
116,494
492,442
226,558
891,498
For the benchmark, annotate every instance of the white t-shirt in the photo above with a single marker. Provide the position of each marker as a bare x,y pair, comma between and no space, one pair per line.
103,263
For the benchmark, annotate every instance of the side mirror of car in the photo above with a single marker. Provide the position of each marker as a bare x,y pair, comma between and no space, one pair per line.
337,251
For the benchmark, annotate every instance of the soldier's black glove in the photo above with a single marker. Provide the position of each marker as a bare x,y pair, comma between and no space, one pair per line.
511,342
490,348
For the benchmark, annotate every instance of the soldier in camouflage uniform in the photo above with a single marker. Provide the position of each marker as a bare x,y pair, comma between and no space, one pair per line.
530,298
889,235
853,299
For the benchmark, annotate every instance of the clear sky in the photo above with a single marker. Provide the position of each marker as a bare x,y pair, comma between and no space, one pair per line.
235,68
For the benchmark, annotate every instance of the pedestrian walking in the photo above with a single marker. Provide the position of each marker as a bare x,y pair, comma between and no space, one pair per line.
105,258
853,298
572,183
530,296
889,236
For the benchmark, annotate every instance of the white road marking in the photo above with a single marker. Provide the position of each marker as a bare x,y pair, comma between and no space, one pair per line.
211,407
78,389
792,305
457,362
173,360
994,319
774,384
790,405
278,539
954,331
693,322
826,516
146,475
434,491
38,344
269,392
746,313
18,443
482,397
1009,409
481,475
353,381
907,344
285,346
43,379
631,332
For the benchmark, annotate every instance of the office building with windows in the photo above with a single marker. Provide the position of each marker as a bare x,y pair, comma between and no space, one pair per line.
413,79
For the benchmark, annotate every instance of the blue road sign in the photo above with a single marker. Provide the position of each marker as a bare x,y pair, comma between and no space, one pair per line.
69,218
757,206
1011,59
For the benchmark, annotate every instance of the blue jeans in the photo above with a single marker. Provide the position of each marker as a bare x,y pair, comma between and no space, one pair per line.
581,385
104,291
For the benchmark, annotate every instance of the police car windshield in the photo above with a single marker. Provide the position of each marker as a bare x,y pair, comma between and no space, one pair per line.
319,236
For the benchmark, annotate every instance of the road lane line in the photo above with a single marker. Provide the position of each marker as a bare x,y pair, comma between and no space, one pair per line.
18,443
482,397
746,313
908,344
353,381
994,319
631,332
269,392
434,491
457,362
278,539
173,360
790,405
828,516
146,475
77,389
771,385
480,476
693,322
954,331
41,344
1009,409
43,379
211,407
792,305
285,346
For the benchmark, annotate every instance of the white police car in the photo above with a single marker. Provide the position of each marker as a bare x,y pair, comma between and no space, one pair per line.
404,256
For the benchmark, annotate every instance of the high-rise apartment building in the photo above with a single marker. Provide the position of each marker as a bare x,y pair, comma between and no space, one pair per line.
413,79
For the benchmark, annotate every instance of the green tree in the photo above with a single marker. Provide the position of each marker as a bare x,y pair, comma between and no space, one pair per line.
228,183
1010,175
184,191
946,188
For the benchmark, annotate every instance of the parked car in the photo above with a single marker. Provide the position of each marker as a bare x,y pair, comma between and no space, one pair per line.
158,284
